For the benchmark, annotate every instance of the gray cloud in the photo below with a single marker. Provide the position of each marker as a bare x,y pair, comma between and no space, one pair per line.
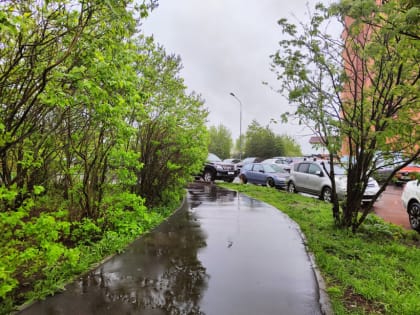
225,47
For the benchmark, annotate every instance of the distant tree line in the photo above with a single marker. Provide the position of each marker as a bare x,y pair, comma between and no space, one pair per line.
258,141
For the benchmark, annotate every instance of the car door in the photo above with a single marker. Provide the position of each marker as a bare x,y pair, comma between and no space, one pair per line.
301,176
258,174
315,179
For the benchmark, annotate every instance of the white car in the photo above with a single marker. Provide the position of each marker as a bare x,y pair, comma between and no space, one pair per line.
411,201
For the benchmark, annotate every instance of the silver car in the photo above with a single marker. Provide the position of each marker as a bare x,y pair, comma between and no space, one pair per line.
310,177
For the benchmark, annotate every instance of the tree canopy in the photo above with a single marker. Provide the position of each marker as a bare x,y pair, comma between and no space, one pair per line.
220,141
358,91
264,143
97,133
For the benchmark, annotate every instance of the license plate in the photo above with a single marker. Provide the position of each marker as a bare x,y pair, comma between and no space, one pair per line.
231,173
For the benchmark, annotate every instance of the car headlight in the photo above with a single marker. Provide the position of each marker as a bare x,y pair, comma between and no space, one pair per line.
219,168
373,183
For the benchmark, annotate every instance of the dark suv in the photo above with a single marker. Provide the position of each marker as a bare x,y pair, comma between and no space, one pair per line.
216,169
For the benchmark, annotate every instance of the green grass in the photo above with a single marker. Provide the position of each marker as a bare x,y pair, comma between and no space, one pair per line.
373,271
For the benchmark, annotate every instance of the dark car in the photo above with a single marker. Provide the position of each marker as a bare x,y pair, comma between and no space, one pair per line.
234,161
264,174
216,169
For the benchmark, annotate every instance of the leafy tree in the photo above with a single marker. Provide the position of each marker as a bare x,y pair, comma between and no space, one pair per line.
287,146
361,89
260,141
95,124
220,141
171,136
263,143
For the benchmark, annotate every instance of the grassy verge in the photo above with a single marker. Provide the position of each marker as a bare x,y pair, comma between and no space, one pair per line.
374,271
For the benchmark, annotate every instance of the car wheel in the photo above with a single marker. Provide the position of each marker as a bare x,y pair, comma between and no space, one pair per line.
270,182
291,188
326,194
208,176
414,215
243,179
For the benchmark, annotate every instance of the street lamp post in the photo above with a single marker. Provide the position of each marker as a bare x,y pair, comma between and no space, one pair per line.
240,124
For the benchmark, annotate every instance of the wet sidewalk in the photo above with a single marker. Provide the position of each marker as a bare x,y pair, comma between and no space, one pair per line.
222,253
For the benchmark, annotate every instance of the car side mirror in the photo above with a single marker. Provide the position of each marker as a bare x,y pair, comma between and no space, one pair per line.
319,173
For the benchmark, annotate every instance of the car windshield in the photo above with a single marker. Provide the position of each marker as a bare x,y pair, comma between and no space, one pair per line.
277,169
338,170
268,168
213,158
248,160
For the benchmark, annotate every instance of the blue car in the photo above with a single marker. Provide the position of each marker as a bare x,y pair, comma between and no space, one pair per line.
270,175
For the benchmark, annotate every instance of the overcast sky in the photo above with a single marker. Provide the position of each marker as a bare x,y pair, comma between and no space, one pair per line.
225,47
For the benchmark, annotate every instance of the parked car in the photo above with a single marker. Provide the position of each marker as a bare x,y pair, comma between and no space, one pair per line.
282,162
234,161
411,201
215,169
282,159
385,164
247,161
310,177
407,173
264,174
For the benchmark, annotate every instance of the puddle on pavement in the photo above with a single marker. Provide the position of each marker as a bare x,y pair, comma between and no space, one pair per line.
221,253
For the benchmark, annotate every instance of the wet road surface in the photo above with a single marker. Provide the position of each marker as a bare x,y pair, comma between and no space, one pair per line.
222,253
389,207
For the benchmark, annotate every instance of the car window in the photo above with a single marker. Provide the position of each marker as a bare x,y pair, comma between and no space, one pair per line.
268,168
247,167
303,167
213,158
278,169
338,170
248,160
258,167
314,169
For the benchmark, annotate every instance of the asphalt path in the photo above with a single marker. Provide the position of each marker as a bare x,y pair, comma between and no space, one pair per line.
222,253
390,208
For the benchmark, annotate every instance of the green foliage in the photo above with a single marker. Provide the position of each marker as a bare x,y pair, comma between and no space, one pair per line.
357,90
220,141
97,125
288,146
262,142
373,271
